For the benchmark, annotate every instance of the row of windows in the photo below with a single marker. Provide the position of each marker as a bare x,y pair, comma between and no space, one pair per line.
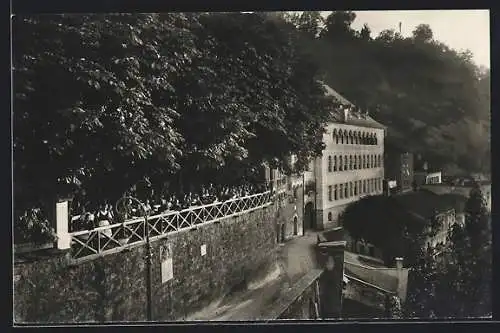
344,163
350,189
354,137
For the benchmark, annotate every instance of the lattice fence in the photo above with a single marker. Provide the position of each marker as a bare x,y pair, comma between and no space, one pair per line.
89,244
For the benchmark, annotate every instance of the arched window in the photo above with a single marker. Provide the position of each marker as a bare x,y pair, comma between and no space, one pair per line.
341,191
363,140
364,185
346,191
355,162
372,161
346,163
359,137
341,134
355,188
329,193
341,165
335,192
346,137
329,164
356,139
350,141
334,163
364,161
334,135
351,189
329,216
351,167
375,139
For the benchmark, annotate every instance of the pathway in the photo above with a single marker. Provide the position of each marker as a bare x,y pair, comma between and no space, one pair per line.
295,258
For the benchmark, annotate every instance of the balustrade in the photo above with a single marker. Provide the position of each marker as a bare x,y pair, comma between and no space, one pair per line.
88,244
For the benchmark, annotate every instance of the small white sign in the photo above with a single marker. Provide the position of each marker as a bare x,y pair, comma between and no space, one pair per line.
167,271
392,184
203,250
17,277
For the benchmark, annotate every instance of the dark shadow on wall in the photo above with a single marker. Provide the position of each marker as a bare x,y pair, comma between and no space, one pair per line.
309,218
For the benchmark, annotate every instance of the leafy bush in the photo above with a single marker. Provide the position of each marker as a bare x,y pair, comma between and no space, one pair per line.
33,226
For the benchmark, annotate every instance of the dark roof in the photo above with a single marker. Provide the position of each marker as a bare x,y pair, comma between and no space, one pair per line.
456,200
423,203
363,121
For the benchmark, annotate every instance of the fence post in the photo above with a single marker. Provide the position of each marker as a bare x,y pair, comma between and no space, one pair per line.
62,224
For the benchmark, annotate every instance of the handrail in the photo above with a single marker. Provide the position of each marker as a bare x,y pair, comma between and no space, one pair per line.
88,244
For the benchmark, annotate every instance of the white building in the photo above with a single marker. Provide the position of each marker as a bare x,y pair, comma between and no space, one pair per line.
351,166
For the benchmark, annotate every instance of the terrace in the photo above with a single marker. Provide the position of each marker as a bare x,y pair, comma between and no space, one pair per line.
100,241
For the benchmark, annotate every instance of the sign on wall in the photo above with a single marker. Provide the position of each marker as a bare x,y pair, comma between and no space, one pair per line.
203,250
167,267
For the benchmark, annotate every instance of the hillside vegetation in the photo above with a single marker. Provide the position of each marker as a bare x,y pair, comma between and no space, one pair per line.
434,100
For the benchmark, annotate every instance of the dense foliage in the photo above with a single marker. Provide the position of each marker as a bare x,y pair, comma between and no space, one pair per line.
457,283
434,100
103,101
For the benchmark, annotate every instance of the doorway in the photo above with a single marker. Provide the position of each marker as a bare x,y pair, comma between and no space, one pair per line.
309,223
295,226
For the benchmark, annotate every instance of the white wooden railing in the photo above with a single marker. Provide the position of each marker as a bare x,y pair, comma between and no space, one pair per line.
89,244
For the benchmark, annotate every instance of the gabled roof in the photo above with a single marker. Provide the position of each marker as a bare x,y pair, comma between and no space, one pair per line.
363,121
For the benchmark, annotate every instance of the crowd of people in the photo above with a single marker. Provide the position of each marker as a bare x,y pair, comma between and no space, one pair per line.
105,214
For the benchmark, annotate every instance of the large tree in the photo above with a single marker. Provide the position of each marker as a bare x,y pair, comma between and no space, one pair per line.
103,101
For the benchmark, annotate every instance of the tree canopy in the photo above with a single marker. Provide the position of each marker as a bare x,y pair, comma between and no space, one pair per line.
112,99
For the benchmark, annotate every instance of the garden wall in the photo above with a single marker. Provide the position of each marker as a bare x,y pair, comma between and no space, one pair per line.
206,264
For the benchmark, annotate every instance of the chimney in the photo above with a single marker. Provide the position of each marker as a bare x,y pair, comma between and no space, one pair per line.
346,114
399,263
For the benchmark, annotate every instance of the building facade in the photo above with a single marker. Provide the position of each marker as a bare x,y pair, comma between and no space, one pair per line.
351,166
426,178
399,169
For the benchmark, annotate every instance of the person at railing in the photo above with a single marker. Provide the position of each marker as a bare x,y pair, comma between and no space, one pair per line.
203,196
147,207
105,218
84,221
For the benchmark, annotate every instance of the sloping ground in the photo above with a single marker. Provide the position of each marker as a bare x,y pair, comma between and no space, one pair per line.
296,258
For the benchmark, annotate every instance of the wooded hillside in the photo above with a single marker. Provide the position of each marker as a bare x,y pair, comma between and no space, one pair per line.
435,100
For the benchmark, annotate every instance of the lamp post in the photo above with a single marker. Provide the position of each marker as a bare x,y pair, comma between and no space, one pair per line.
127,200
